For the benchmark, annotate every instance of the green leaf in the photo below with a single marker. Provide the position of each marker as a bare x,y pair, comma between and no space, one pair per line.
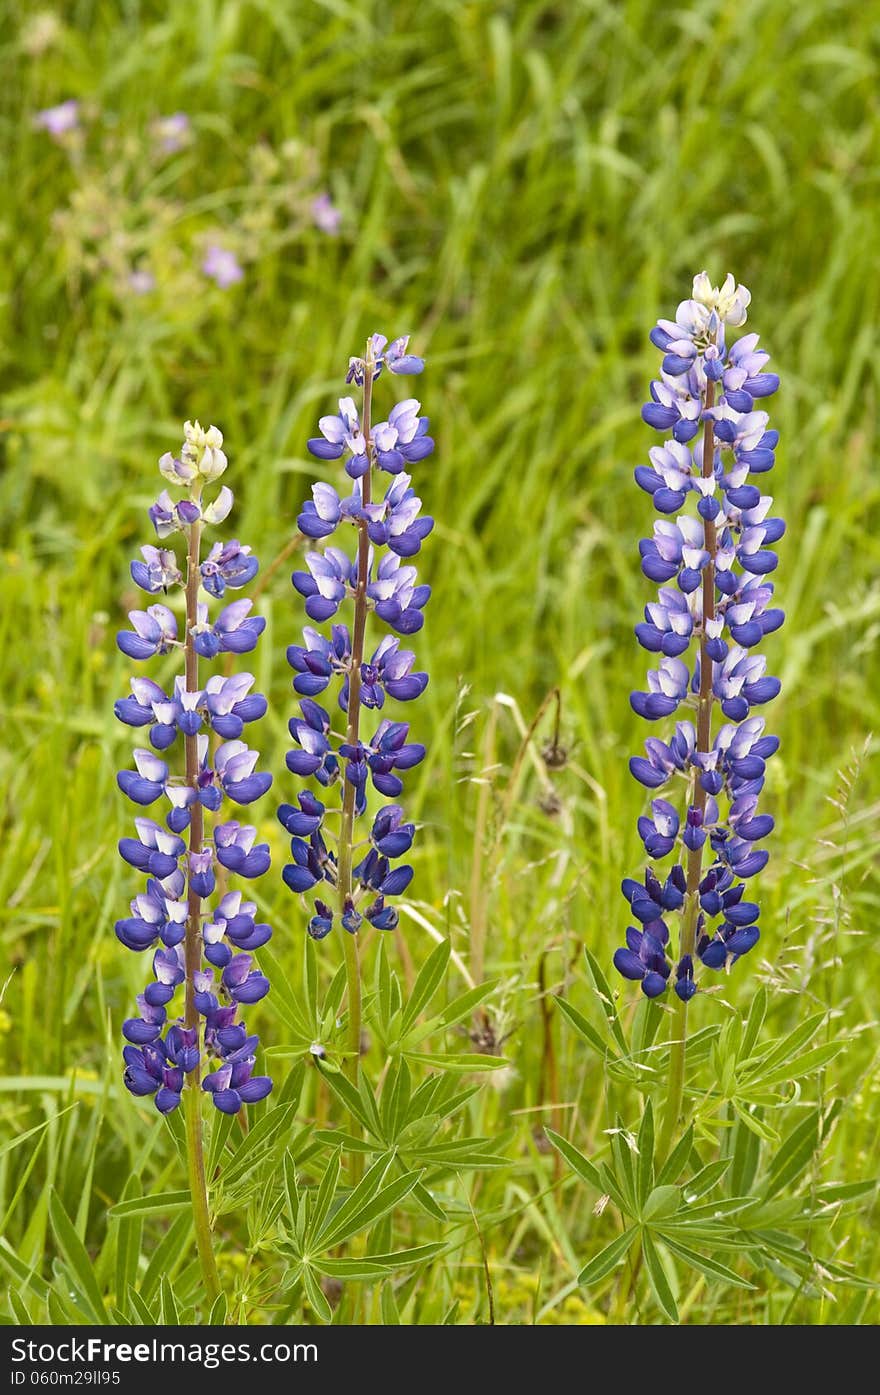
623,1164
427,1202
395,1099
311,986
74,1252
25,1277
755,1123
755,1022
148,1205
340,1138
286,1003
219,1310
166,1254
142,1312
325,1194
678,1158
761,1214
221,1128
657,1277
351,1098
316,1297
295,1212
257,1142
382,982
648,1019
585,1029
784,1049
806,1064
576,1160
609,1258
377,1266
463,1005
793,1155
746,1156
645,1167
168,1313
428,980
365,1205
458,1065
846,1191
129,1233
712,1268
20,1138
704,1180
662,1203
19,1310
607,1000
711,1210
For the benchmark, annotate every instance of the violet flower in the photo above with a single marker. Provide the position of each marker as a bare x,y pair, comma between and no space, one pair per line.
60,121
325,215
715,598
363,674
222,266
172,916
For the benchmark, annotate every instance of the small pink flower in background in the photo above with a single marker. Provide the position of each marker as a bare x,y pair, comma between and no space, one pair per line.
325,214
142,281
172,133
59,121
222,267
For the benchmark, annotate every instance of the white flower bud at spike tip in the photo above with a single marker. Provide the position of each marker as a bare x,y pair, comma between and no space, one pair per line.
201,453
730,301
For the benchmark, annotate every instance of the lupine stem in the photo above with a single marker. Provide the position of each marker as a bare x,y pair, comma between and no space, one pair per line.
352,736
678,1030
193,947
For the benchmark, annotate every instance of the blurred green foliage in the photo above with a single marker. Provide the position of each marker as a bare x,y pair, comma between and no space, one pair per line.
524,188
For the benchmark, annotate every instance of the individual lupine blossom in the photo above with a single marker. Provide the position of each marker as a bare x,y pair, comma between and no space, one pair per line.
222,266
188,845
714,607
373,581
325,215
61,121
172,133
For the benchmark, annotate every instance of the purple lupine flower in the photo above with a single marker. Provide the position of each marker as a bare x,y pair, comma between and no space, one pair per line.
370,577
380,354
228,564
221,265
60,121
712,563
141,281
325,215
341,435
172,133
233,631
166,1041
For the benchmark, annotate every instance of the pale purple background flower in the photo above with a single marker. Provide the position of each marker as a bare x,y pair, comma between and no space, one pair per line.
142,281
325,214
221,265
172,133
59,121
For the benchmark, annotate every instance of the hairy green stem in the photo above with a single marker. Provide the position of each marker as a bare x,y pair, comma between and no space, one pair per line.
192,946
678,1031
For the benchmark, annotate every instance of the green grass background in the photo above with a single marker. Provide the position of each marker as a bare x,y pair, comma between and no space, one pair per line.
524,187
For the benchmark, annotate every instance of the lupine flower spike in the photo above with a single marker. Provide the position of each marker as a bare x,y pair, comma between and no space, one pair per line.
202,953
378,580
712,563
